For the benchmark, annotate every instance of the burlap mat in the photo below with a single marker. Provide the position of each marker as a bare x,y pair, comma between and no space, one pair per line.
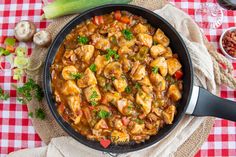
49,128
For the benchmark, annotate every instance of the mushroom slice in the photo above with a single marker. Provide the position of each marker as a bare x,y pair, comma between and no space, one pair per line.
100,62
68,71
42,38
144,100
119,137
158,81
92,93
85,52
161,38
113,69
87,80
25,30
173,65
120,84
161,64
70,88
145,39
139,73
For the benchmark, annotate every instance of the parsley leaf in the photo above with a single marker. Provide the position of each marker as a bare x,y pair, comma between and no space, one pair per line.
128,89
113,78
103,114
93,67
83,40
154,43
3,96
94,95
155,69
139,121
137,85
93,103
127,34
39,113
111,53
77,75
31,114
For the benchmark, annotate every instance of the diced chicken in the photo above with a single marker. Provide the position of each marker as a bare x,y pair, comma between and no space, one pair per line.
145,81
124,50
100,62
158,81
174,92
140,28
113,69
120,84
168,53
68,71
92,93
74,103
111,97
126,64
78,118
144,100
138,128
173,65
101,124
161,38
157,50
128,43
139,74
119,137
121,104
87,79
169,114
161,64
145,39
118,124
103,44
70,88
85,52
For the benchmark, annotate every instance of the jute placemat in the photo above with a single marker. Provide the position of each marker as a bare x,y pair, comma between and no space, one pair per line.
49,128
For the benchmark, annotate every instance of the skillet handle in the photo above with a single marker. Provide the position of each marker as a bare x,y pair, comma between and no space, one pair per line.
203,103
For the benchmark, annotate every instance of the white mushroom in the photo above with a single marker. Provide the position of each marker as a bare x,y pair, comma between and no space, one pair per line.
42,38
85,52
25,30
113,69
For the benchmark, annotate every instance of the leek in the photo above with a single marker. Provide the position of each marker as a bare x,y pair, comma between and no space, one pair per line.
66,7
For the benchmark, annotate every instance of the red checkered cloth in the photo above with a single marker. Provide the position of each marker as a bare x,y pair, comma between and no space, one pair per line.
16,130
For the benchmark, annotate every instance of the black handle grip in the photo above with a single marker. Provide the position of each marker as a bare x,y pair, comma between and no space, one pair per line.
211,105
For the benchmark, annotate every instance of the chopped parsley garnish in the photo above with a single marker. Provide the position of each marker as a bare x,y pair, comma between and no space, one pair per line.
107,87
154,43
77,75
31,114
93,67
128,89
139,121
111,53
39,113
103,114
93,95
93,103
127,34
28,90
83,40
137,85
113,78
3,96
155,69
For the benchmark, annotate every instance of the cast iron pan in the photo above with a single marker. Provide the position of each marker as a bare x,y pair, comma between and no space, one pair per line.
195,100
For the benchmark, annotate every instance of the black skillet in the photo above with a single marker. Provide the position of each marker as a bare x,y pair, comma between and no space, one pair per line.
195,101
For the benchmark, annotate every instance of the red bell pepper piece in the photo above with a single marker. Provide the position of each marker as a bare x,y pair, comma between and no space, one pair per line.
178,74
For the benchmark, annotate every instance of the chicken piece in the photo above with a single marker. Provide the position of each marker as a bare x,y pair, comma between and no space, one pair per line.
120,84
118,124
168,53
161,38
74,103
161,64
158,81
68,53
173,65
168,114
111,97
128,43
145,39
124,50
78,118
144,100
119,137
85,52
138,128
174,92
157,50
139,73
145,81
140,28
121,104
88,79
103,44
68,71
113,69
92,93
101,62
126,64
101,124
70,88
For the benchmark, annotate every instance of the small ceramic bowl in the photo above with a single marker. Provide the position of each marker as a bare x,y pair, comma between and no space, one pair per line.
221,45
